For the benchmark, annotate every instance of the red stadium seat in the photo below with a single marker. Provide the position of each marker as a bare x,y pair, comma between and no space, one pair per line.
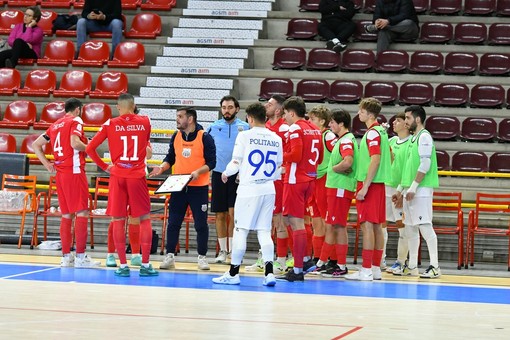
357,60
345,91
158,5
10,81
499,34
369,6
19,114
57,53
460,63
426,62
302,28
486,95
416,94
309,5
56,3
421,6
470,33
39,83
323,59
479,7
504,130
9,18
26,147
443,127
144,25
289,58
74,83
95,114
451,94
129,54
46,22
7,142
478,129
360,34
470,161
445,6
392,61
130,4
443,160
313,90
93,54
494,64
385,91
503,7
51,112
436,32
358,128
276,86
110,85
499,162
21,3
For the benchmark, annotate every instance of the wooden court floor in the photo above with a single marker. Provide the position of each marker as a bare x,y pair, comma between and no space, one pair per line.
42,300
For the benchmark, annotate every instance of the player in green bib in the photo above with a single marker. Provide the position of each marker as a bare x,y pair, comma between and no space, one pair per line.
419,179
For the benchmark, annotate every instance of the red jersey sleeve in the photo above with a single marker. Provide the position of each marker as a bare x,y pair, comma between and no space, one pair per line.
373,142
294,151
346,148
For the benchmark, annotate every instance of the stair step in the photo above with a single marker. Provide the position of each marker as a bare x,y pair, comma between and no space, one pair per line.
224,13
200,62
169,114
215,33
176,102
210,41
195,70
155,92
201,83
231,5
220,23
205,52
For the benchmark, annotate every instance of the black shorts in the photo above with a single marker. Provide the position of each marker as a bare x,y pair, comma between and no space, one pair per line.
223,194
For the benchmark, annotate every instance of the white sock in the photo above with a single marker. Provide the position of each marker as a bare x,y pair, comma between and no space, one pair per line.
413,240
239,246
402,247
123,265
335,40
385,237
223,243
145,265
80,256
319,263
230,240
110,254
266,245
430,237
133,255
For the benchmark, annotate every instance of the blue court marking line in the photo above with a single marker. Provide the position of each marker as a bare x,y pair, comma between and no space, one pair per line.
392,290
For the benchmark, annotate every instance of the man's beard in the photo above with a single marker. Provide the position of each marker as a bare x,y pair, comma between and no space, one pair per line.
228,119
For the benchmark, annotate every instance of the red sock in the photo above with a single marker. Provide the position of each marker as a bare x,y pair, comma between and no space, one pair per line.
134,238
281,246
333,256
81,225
291,239
317,242
299,247
65,235
341,251
146,239
309,239
111,243
119,236
326,250
367,255
376,258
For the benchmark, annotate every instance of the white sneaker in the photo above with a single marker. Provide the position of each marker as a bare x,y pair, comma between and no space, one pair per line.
431,273
406,271
168,262
364,274
222,257
376,273
86,262
67,261
226,279
202,262
395,266
257,266
278,269
269,280
383,264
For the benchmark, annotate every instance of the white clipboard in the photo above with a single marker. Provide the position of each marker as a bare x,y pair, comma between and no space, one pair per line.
174,183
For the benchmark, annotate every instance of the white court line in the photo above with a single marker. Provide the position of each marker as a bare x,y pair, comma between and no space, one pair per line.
32,272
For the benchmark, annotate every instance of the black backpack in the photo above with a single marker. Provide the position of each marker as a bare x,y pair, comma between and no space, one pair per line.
65,22
154,246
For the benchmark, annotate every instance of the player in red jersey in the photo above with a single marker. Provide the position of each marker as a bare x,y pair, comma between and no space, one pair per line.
69,142
128,136
301,157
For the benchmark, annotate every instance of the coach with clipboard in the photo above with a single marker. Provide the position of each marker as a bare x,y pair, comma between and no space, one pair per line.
192,152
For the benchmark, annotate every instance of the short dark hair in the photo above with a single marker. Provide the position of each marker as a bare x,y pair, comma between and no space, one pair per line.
230,98
278,98
190,112
71,104
417,111
341,116
37,12
256,111
296,104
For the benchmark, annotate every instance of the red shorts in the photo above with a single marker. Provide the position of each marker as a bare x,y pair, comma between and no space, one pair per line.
73,192
295,198
278,202
311,208
373,208
124,192
338,207
321,200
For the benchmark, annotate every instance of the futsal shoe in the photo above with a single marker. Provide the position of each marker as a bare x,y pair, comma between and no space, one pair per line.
110,261
394,267
277,268
123,272
309,266
364,274
376,273
290,276
222,257
202,262
85,262
148,271
226,279
257,266
406,271
336,273
67,261
431,273
269,280
168,262
136,260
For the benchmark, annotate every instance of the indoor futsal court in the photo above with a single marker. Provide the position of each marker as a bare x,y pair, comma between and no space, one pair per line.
42,300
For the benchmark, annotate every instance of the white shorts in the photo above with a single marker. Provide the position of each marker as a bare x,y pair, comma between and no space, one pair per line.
254,213
419,209
393,214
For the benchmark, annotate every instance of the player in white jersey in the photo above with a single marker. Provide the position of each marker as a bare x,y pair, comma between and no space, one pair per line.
257,156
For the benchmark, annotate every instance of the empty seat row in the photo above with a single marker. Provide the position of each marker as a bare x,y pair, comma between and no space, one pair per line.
74,83
153,5
21,114
351,91
446,7
465,63
473,161
143,25
474,129
430,32
8,144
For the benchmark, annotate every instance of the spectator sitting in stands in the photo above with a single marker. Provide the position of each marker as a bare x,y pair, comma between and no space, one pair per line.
25,39
393,19
336,24
100,16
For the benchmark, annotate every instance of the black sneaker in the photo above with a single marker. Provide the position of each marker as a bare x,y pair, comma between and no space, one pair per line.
339,47
309,266
330,45
290,276
337,273
318,270
370,28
